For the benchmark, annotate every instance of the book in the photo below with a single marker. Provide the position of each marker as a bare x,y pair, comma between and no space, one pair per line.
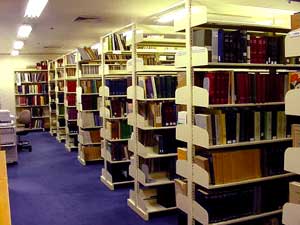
296,135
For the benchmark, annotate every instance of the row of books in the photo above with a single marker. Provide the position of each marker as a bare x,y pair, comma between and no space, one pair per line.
36,112
117,86
37,123
89,102
72,140
71,59
116,67
71,72
61,122
60,97
244,201
118,150
72,114
52,86
118,107
240,46
117,57
32,100
61,110
87,69
42,65
91,152
117,42
91,136
71,99
71,85
158,86
151,59
243,87
158,114
23,77
60,85
240,164
73,128
118,129
89,119
162,141
90,86
32,89
60,62
86,53
231,126
60,73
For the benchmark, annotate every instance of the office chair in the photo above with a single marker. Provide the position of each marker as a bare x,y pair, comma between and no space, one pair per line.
25,119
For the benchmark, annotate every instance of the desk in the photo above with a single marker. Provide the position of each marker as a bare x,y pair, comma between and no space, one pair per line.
4,197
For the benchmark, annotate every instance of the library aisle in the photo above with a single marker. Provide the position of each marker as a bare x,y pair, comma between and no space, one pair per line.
50,187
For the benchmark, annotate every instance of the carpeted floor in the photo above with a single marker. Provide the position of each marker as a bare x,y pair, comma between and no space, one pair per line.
50,187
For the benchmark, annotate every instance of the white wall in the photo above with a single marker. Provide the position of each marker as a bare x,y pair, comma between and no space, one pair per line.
7,66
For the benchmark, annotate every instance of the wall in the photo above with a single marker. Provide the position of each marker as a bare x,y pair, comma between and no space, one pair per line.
7,66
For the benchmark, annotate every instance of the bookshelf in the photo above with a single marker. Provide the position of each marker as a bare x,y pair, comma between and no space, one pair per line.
31,92
154,79
52,98
113,109
59,99
70,85
291,209
89,121
199,190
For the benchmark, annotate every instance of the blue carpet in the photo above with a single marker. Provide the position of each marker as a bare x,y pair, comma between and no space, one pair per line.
49,187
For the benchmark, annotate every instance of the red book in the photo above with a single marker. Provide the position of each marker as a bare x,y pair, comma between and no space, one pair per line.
71,85
209,85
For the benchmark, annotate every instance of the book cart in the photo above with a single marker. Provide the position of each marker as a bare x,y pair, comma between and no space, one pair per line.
153,50
291,160
113,109
197,177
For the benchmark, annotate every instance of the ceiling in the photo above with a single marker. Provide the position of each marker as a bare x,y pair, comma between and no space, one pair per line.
55,27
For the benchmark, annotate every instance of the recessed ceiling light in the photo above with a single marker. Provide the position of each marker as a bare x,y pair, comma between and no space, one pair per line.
35,7
14,52
18,45
24,31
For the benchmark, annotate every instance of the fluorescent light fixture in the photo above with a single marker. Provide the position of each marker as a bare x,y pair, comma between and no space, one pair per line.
14,52
24,31
35,7
18,45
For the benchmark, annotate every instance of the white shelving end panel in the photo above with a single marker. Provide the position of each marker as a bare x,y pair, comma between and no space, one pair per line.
200,137
104,112
291,160
292,47
140,93
104,91
199,57
198,17
183,168
292,106
200,176
182,203
139,65
291,214
78,95
200,96
200,214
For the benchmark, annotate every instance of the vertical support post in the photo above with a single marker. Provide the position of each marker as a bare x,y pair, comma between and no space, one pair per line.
189,82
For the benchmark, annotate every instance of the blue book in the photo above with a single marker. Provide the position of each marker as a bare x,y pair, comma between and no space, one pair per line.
220,45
